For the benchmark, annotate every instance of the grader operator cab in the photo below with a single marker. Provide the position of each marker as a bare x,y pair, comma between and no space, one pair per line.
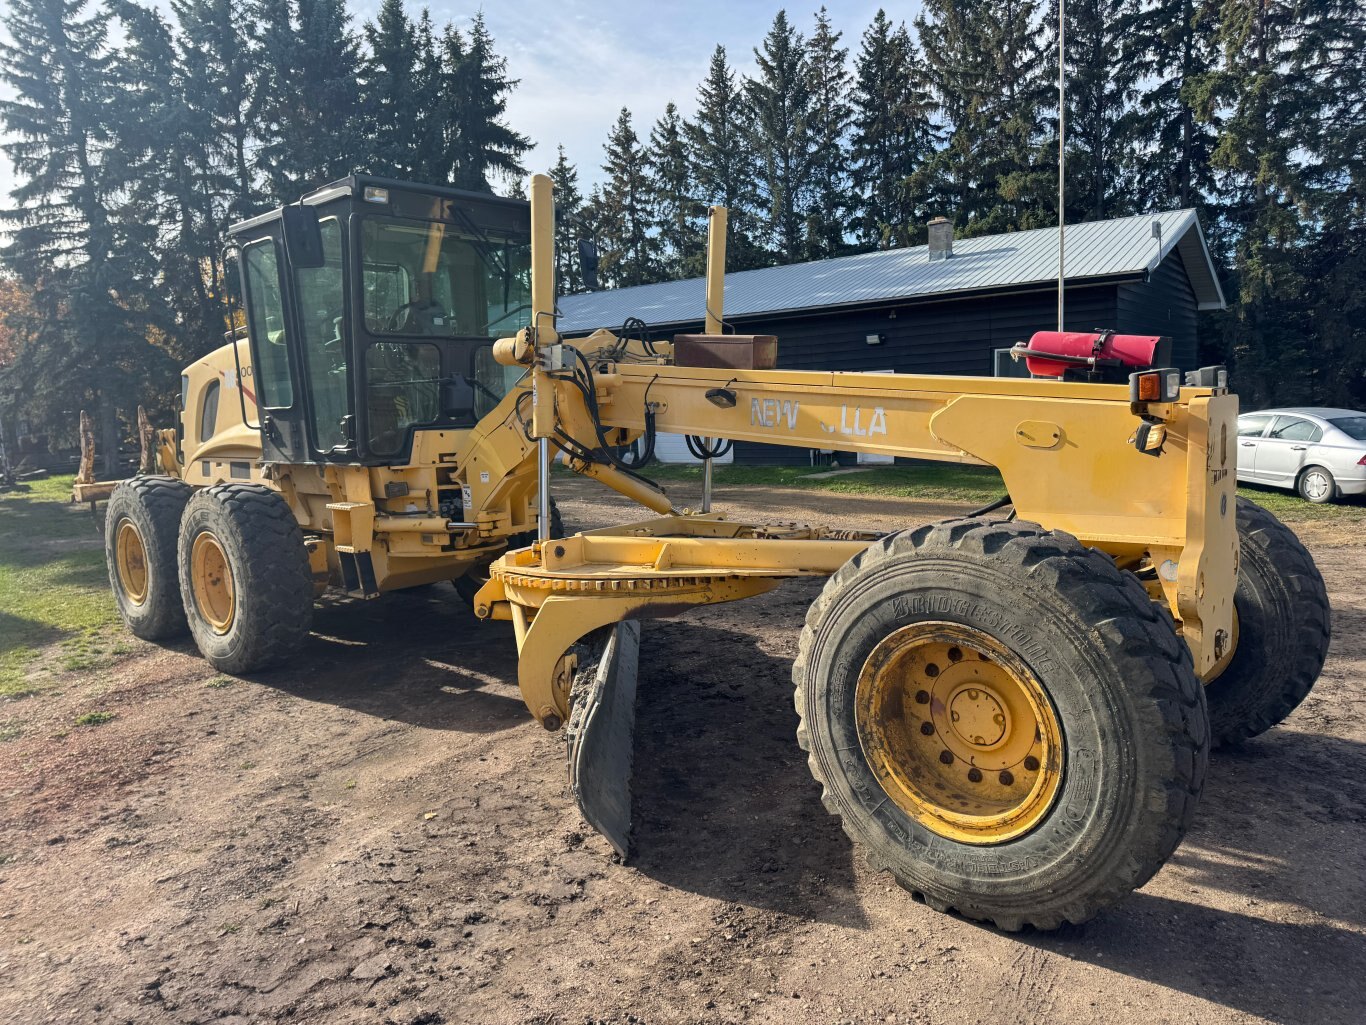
1011,711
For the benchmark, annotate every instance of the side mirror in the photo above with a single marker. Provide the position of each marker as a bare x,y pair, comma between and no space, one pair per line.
303,236
588,263
457,399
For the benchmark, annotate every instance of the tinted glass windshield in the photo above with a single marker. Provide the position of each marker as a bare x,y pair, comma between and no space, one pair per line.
438,280
1352,426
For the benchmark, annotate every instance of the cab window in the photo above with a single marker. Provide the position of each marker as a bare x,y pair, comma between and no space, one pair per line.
1252,426
208,415
266,319
437,280
321,311
1292,428
402,388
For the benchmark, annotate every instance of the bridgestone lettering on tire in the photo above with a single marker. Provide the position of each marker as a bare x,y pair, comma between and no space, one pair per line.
150,507
1120,682
1283,631
270,577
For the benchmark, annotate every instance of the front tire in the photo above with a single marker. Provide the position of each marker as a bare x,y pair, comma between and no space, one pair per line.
1003,719
1284,626
140,528
1316,484
244,576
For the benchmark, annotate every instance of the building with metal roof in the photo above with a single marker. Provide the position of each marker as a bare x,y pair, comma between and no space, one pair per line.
1125,248
902,311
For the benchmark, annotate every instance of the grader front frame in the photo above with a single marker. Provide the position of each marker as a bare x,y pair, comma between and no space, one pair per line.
999,707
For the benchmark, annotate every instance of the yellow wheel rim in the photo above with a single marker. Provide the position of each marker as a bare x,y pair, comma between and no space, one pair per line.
959,732
130,558
212,579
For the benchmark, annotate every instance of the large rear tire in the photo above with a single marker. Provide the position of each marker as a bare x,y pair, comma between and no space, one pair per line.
1002,719
245,578
468,586
140,528
1284,626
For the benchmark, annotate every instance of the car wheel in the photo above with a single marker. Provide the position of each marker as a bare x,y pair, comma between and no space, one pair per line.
1316,484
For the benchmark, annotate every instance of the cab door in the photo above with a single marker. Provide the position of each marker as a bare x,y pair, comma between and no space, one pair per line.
273,375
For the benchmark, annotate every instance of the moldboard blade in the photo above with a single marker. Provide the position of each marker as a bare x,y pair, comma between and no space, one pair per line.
601,732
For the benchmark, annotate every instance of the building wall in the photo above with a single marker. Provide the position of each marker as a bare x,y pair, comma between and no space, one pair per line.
1163,305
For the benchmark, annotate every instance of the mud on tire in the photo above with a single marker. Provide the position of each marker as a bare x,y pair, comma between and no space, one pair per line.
1121,684
140,528
1284,626
269,607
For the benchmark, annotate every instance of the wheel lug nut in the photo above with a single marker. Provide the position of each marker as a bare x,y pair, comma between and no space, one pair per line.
1031,763
975,775
931,670
927,728
955,654
946,757
922,697
1006,778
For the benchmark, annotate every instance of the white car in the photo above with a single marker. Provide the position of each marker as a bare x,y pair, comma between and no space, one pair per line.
1321,453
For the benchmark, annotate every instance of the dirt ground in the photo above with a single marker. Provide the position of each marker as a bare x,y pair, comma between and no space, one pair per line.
382,834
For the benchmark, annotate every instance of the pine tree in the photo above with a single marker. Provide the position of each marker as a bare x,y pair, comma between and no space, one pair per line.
631,252
482,144
723,166
568,225
388,85
892,137
830,120
1171,47
1101,123
215,62
678,214
1270,332
69,242
988,76
168,150
427,117
780,102
308,102
1331,60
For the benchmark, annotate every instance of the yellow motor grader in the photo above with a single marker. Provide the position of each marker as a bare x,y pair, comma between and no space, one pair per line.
1011,711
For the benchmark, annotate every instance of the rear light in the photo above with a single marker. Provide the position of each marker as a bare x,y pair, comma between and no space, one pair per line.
1155,386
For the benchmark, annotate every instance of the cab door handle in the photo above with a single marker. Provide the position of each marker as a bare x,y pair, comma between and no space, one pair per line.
1298,448
1247,444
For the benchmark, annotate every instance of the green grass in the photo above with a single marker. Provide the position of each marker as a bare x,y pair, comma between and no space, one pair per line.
94,718
974,485
53,586
938,482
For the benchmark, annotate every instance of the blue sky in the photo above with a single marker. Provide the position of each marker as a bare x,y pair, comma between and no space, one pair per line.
580,62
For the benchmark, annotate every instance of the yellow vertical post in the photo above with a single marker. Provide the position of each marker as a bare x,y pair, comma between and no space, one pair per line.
543,335
543,260
716,267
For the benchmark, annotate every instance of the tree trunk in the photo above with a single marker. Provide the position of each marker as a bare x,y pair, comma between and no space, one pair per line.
109,437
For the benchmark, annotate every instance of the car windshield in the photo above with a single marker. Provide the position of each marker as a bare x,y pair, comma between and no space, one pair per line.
1352,426
436,280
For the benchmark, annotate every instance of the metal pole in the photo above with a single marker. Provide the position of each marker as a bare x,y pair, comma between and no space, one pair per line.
706,478
1062,150
543,488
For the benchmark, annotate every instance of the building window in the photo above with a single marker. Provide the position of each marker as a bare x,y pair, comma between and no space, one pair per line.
1007,367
